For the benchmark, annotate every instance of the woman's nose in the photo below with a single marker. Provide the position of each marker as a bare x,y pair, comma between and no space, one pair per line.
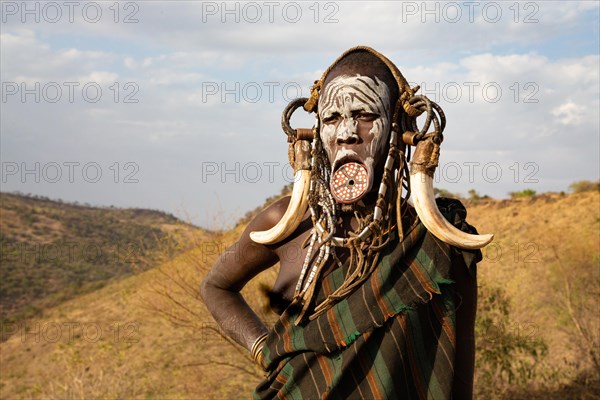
347,133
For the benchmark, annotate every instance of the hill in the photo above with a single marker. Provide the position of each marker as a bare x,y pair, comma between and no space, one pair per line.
52,251
149,336
545,261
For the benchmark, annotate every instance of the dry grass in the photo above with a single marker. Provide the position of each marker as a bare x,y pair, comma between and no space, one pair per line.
546,256
167,346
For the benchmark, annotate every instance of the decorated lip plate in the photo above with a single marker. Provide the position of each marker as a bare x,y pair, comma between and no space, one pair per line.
349,183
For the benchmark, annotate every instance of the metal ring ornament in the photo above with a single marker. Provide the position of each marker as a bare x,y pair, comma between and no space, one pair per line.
287,115
434,113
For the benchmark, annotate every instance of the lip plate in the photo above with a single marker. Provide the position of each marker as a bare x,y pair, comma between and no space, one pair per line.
341,190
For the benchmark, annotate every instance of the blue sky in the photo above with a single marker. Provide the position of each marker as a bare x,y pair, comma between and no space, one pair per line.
195,130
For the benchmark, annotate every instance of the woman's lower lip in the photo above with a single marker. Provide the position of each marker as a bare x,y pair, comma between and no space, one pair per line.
347,158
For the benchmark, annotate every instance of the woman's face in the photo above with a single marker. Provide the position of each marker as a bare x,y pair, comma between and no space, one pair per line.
355,123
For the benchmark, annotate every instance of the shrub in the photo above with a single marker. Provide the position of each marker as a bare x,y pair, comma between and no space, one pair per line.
522,194
584,186
445,193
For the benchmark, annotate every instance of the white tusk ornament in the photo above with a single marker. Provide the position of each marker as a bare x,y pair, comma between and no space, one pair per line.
293,215
421,186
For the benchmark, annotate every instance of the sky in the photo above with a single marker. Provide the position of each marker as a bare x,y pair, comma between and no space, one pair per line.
176,105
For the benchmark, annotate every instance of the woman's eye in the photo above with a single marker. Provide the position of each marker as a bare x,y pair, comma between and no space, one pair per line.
332,119
367,117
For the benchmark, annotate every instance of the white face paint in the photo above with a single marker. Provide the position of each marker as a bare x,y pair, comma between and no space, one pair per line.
355,122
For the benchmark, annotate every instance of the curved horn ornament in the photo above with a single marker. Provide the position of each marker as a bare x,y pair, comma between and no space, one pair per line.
421,186
300,155
293,215
422,168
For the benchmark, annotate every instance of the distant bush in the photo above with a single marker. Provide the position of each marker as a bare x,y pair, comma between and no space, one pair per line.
445,193
522,194
474,196
585,186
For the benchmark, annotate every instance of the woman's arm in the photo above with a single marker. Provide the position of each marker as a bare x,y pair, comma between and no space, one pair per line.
221,288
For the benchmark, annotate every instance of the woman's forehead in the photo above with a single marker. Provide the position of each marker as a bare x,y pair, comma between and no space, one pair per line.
358,88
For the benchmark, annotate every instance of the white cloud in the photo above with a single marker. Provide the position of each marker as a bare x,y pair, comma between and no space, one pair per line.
545,116
26,56
100,77
569,113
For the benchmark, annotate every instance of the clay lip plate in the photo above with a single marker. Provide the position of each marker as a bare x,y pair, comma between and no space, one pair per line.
349,182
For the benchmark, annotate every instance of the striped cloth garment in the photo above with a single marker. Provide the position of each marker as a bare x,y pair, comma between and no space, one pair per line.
392,338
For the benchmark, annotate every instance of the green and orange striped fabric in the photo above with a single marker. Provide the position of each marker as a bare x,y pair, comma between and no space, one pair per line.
394,337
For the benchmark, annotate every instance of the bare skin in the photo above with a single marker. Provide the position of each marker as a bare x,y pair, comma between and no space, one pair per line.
246,259
348,130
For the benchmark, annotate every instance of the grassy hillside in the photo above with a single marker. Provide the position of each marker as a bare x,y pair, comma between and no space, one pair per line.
545,259
146,336
149,336
52,251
